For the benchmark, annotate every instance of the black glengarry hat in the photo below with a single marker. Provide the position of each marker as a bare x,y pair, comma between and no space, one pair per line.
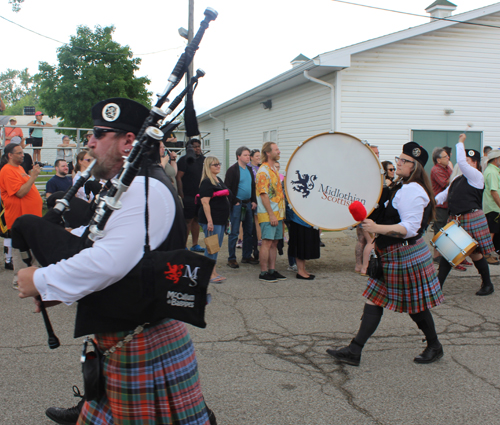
120,113
472,153
416,151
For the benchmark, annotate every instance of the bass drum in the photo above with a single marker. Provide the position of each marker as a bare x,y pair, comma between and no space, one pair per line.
328,172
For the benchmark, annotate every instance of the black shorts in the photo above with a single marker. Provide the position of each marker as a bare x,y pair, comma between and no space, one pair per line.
189,207
493,219
37,142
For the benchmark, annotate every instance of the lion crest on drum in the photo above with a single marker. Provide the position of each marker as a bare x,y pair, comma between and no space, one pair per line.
304,184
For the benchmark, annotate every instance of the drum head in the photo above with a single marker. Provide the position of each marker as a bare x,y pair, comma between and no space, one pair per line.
326,174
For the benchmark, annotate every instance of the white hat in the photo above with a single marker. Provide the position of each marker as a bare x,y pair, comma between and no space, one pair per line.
495,153
15,140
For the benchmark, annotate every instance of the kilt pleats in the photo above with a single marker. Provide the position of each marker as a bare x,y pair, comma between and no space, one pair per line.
151,380
476,225
411,284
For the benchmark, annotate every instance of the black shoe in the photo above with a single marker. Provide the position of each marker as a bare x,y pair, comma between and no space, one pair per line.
267,277
278,276
311,277
430,354
211,417
344,355
9,266
250,260
65,416
321,243
486,290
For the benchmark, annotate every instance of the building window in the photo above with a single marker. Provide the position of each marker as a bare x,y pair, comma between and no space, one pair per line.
270,136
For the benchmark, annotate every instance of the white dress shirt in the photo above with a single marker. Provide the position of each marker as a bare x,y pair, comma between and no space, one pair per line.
121,248
474,177
410,201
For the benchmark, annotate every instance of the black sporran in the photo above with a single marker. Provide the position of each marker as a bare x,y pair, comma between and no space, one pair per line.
93,378
375,269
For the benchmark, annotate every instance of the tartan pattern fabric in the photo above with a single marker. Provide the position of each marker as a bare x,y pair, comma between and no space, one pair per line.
411,284
151,380
476,225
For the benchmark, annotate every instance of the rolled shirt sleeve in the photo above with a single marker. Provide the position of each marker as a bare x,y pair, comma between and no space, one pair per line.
410,201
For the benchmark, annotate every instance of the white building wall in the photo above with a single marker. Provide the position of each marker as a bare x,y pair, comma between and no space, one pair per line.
296,115
386,93
389,91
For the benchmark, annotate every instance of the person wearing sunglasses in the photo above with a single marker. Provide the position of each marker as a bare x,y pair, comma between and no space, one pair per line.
153,377
465,202
389,173
83,160
409,282
215,206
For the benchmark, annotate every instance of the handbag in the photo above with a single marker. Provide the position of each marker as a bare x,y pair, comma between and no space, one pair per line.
93,378
212,244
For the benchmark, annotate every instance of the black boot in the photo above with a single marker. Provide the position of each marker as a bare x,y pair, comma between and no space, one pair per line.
66,416
484,270
369,322
345,355
434,349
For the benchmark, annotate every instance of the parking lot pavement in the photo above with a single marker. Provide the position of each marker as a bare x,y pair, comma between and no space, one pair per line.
262,357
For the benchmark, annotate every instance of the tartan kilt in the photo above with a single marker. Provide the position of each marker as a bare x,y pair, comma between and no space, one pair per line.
151,380
476,225
411,284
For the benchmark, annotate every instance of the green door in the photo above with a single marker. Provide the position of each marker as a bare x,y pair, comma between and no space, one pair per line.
431,139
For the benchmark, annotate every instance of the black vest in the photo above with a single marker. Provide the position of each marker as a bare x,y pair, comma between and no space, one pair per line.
390,215
108,310
462,197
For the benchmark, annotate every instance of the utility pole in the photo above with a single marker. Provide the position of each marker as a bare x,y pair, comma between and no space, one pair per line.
190,37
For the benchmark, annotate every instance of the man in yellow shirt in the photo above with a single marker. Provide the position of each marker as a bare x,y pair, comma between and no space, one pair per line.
270,211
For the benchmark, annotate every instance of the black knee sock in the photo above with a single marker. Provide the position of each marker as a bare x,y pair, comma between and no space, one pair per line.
425,323
444,270
369,322
484,270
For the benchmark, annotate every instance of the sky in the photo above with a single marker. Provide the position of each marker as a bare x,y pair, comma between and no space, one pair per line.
248,44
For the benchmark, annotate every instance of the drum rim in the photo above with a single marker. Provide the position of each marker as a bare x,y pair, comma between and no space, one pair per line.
324,134
440,233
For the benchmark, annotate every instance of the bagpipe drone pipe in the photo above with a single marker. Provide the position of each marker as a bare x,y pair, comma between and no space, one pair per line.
176,281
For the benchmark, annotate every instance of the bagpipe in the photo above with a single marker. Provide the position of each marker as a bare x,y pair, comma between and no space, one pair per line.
171,284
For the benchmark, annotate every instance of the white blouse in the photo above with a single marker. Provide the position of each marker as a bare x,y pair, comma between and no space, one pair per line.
410,201
474,177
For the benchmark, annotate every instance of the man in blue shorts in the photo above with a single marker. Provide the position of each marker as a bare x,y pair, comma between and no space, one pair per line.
270,211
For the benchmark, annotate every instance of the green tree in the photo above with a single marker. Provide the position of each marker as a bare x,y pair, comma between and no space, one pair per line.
16,5
92,67
18,89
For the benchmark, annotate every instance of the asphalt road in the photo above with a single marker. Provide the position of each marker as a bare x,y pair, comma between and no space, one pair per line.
262,357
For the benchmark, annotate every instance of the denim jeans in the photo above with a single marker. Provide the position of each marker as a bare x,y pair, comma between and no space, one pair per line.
235,218
219,230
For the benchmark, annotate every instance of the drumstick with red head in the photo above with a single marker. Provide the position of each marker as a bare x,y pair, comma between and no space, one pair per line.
358,212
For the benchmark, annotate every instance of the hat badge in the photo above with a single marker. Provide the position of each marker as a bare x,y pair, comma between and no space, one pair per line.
416,152
471,153
111,112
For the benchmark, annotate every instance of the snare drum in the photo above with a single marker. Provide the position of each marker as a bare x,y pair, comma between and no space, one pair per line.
454,243
328,172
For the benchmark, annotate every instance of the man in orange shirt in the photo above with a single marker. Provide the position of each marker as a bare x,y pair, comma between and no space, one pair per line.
11,132
18,192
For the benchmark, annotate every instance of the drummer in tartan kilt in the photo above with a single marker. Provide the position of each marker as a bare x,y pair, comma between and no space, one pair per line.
464,197
409,283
